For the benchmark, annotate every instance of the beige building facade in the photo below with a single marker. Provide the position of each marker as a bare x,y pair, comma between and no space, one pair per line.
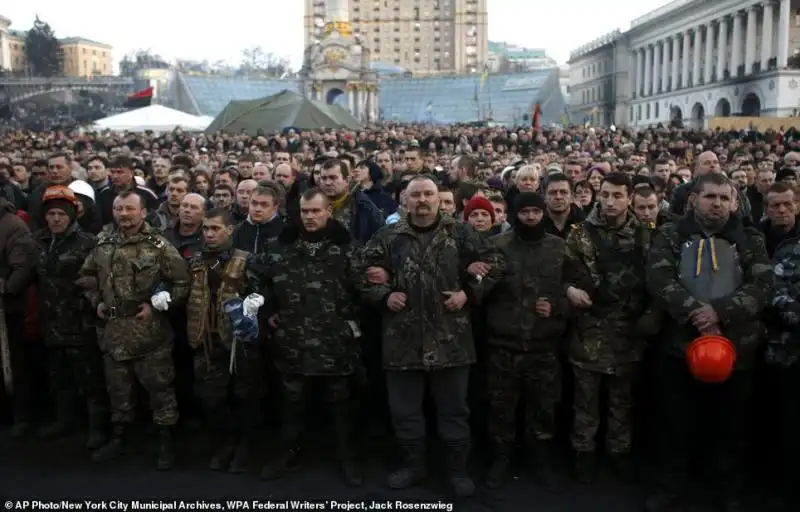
81,57
426,37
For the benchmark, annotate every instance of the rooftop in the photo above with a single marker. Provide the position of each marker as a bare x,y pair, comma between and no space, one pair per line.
516,52
83,40
599,42
661,11
22,34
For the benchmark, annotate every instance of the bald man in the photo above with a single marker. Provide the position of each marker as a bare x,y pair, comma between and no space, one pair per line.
242,204
705,163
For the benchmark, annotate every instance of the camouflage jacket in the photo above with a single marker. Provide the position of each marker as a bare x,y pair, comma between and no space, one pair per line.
310,285
424,335
123,274
739,310
783,342
609,265
216,278
533,269
66,315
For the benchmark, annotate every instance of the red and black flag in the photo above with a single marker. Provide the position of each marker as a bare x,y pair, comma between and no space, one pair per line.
537,118
139,99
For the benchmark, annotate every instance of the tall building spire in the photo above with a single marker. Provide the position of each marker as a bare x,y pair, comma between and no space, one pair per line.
337,11
337,17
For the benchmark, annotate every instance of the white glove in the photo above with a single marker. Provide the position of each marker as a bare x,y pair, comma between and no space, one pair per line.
161,300
251,304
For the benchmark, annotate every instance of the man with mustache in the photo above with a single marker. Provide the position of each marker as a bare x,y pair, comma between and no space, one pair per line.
428,261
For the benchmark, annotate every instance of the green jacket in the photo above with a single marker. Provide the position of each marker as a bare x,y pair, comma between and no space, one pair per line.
736,281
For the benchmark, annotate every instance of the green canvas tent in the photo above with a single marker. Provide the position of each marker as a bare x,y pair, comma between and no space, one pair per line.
286,109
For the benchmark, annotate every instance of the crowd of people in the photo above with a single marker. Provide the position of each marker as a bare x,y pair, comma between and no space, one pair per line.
550,280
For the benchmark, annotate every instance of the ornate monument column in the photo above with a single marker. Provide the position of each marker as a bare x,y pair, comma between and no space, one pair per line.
337,66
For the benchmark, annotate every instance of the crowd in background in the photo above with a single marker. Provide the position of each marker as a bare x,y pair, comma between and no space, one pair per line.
488,177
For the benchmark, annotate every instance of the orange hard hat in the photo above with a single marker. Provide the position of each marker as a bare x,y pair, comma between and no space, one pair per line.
711,358
59,192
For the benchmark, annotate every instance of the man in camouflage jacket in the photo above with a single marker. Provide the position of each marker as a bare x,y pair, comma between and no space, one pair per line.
783,356
311,303
711,275
526,317
68,327
609,249
130,277
427,334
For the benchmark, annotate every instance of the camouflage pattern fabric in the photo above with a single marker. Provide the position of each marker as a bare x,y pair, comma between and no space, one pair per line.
206,315
612,260
310,285
739,312
783,345
122,273
512,376
214,385
532,270
155,373
335,389
67,318
587,409
346,211
82,367
424,335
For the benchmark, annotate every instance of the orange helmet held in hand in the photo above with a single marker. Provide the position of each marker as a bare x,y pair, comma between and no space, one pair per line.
711,358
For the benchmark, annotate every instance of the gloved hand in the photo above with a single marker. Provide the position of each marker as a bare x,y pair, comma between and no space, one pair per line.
161,300
252,303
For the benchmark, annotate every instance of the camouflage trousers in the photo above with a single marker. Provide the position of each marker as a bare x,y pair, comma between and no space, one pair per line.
586,404
155,372
533,378
77,368
229,400
335,391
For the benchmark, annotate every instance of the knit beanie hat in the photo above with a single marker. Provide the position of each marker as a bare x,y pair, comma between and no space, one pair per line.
62,198
528,200
479,203
784,173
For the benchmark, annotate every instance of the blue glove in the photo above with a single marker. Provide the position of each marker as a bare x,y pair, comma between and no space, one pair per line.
245,328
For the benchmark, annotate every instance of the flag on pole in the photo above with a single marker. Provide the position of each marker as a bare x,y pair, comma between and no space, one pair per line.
139,99
537,117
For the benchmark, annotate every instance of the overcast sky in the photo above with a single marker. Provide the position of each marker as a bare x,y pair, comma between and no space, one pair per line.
220,30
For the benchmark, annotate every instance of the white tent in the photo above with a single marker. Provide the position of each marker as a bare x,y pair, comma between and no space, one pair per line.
157,118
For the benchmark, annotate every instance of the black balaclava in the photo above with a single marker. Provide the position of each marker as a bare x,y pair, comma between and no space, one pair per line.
528,200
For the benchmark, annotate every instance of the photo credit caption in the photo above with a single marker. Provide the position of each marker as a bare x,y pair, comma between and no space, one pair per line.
225,505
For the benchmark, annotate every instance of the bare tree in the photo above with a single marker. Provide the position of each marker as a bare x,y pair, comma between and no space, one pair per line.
257,62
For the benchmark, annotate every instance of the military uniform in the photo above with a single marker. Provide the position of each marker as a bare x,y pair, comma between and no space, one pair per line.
230,399
424,344
606,343
782,357
523,361
311,288
123,273
730,271
68,331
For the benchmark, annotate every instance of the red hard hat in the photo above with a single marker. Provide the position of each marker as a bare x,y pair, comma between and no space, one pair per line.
711,358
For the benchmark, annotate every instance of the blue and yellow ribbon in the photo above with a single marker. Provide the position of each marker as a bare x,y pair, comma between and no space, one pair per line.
700,250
